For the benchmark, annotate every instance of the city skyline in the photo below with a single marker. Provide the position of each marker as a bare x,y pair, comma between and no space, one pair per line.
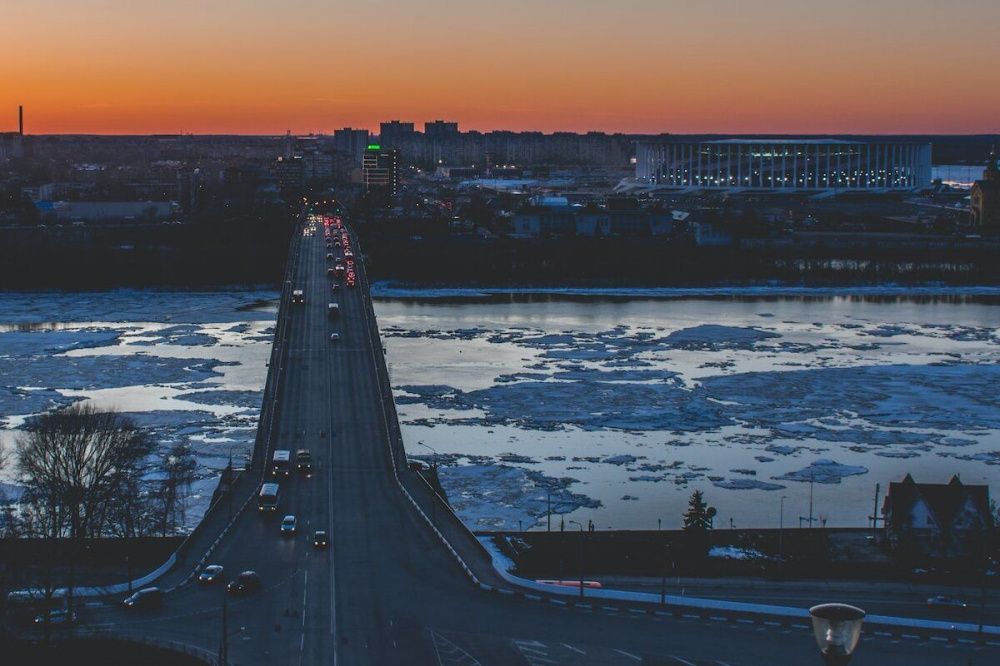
879,67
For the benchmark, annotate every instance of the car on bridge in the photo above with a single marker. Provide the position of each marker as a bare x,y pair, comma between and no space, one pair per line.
57,617
941,601
145,599
245,583
211,574
304,461
297,296
320,539
335,337
288,526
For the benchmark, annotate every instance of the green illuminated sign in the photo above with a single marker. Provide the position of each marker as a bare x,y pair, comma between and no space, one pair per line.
374,146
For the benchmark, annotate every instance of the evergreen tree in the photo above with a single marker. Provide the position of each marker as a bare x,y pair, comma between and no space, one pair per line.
699,515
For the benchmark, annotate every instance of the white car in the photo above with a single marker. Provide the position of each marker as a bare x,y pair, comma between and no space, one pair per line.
288,526
335,337
941,601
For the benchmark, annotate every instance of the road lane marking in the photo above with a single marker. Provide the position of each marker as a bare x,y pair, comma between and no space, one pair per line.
630,655
305,591
685,662
574,649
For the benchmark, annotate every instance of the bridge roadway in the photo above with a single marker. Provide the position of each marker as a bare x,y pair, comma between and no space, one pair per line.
387,591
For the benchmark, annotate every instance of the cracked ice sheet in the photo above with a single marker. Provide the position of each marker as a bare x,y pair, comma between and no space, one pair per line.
188,365
768,385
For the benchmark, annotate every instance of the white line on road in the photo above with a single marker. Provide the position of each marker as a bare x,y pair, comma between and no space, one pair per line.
630,655
682,661
305,591
574,649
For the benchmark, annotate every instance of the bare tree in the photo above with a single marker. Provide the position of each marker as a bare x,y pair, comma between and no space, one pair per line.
75,463
178,473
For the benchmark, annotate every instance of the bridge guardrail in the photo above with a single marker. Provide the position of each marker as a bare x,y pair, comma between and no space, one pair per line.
263,441
648,603
394,437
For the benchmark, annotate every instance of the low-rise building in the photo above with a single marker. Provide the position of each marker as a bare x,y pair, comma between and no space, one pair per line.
937,521
94,211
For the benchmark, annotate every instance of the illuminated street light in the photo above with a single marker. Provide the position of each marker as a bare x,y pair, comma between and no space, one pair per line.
837,629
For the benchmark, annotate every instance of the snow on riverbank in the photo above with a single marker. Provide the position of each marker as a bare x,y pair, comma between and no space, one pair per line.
189,366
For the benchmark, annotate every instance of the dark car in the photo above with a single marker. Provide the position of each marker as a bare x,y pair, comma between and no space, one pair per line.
320,539
304,461
59,616
145,599
211,574
245,583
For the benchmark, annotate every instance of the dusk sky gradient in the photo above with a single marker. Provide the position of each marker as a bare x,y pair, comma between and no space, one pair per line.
264,66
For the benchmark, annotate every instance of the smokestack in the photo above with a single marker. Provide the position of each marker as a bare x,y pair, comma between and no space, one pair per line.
20,120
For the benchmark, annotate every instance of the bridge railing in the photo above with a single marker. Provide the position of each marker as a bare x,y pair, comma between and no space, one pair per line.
397,452
272,386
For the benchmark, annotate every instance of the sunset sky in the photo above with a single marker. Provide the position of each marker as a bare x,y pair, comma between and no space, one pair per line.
264,66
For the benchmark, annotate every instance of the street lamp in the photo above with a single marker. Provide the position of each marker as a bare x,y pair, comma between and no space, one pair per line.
781,538
580,525
837,629
434,503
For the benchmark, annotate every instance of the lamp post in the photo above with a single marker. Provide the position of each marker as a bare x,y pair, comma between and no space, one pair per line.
433,492
837,629
580,525
781,538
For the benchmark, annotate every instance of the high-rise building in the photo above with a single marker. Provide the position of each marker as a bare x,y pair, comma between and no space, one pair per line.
985,197
394,132
380,170
440,129
351,143
290,173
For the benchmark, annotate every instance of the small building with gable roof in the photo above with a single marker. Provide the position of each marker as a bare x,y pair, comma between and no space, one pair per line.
937,521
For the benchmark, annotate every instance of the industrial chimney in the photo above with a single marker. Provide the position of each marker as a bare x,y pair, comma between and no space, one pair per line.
20,120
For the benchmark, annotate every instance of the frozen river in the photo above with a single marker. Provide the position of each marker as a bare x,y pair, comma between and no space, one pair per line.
612,407
617,408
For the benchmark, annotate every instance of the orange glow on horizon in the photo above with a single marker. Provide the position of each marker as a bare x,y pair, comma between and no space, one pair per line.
640,66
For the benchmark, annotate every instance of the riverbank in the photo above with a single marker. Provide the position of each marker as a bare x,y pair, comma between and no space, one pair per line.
817,261
142,255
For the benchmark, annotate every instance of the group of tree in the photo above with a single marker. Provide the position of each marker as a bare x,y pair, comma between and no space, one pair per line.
88,473
91,473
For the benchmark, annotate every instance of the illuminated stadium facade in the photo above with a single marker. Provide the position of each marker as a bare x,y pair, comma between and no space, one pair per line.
785,164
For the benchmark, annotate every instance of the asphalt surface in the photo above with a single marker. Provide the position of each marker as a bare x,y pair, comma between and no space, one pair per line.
387,591
877,598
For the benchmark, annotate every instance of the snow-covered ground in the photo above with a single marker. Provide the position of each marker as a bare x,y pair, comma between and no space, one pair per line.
189,365
627,405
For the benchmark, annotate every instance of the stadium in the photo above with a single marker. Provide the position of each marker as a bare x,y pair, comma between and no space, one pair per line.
785,164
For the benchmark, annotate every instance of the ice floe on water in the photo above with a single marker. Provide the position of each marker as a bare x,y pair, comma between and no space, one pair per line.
501,497
189,366
845,391
824,471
